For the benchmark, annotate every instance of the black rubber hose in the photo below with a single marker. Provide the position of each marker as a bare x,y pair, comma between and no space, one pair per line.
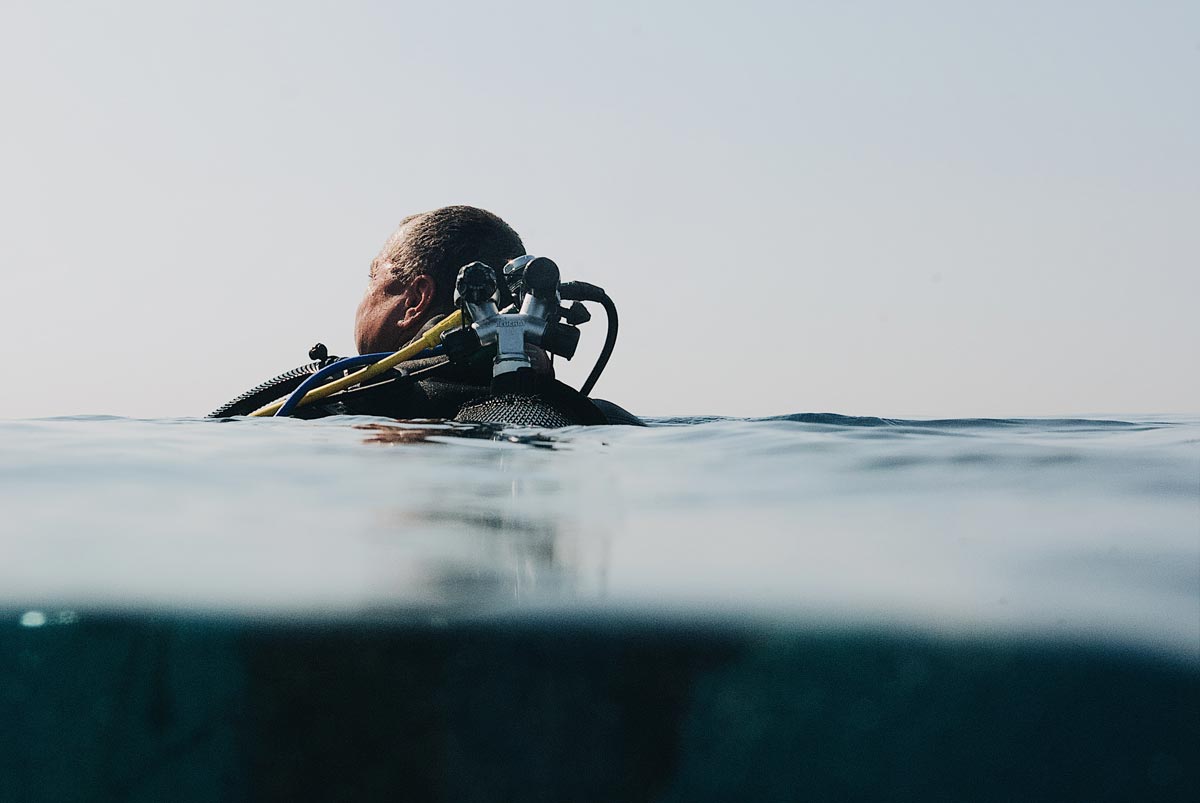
582,291
610,341
267,392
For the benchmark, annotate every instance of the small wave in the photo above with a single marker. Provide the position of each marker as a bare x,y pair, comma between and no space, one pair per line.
838,420
96,417
962,423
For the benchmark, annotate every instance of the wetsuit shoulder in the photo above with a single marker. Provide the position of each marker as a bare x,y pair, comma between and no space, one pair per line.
617,414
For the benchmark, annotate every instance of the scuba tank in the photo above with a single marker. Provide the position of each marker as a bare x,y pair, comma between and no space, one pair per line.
474,365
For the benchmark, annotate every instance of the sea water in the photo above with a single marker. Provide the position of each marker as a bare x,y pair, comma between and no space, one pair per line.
788,596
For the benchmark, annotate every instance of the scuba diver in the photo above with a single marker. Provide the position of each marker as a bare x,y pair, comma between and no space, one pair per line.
457,323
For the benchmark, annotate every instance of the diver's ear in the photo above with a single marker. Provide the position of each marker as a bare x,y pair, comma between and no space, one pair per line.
420,291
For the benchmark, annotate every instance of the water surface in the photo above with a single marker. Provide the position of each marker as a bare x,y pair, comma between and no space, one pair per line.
803,607
1071,529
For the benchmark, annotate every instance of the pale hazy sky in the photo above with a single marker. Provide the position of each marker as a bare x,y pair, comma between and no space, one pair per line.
898,209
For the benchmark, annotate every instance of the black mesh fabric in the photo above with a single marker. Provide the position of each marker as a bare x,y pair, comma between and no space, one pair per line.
268,391
515,411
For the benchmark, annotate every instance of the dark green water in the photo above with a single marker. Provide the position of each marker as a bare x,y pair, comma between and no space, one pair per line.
155,708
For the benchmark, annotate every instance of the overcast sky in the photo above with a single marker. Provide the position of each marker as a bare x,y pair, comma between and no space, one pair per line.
897,209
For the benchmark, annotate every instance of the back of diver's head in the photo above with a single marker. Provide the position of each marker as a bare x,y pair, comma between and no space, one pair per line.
438,243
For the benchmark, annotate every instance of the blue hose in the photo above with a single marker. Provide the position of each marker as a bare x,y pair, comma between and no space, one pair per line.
338,367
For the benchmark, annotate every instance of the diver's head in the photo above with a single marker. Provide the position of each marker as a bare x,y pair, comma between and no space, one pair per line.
412,279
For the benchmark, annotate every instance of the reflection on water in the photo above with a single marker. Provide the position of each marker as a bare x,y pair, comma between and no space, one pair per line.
420,431
476,555
512,546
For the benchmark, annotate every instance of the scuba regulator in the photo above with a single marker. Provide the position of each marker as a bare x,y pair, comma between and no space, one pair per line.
513,331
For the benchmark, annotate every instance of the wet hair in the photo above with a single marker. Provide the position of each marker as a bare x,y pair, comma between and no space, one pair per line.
438,243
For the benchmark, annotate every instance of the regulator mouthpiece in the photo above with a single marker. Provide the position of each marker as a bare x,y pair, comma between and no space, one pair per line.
541,278
476,283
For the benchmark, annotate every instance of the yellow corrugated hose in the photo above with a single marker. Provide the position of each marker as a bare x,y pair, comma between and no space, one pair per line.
428,340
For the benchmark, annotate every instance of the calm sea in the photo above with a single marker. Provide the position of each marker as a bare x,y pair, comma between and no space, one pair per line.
808,606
